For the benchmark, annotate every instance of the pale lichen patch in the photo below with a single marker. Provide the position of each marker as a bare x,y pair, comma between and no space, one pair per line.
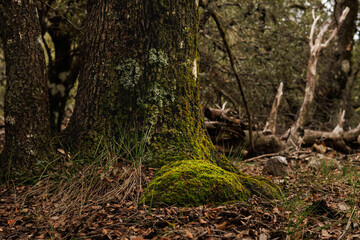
345,66
39,40
158,58
57,88
10,120
130,73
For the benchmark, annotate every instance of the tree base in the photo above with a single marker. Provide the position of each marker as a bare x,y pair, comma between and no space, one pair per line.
193,183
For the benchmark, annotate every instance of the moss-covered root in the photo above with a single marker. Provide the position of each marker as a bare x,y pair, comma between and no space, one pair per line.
261,186
192,183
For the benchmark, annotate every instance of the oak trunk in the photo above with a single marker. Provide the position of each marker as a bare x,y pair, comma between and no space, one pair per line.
139,77
26,99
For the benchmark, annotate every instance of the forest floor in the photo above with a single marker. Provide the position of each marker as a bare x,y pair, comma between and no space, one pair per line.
321,201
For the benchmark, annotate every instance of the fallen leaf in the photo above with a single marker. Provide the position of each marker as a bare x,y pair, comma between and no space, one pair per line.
137,238
263,236
11,222
229,235
188,234
221,226
42,236
202,221
61,151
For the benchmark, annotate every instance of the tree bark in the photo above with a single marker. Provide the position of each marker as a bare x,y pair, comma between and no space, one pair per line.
26,99
140,78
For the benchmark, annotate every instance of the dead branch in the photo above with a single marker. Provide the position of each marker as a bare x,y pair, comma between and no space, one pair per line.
316,47
270,126
339,129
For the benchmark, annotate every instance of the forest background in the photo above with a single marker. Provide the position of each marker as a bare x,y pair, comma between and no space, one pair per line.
270,42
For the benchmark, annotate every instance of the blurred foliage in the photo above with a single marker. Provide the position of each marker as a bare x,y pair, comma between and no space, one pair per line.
64,15
270,41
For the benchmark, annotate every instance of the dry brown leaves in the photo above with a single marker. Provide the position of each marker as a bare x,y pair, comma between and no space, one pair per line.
304,213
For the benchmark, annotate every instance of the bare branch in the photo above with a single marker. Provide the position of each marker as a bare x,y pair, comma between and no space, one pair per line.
270,126
334,33
339,129
311,37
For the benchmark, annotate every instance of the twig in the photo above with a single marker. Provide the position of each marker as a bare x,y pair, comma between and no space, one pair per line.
347,225
261,156
57,12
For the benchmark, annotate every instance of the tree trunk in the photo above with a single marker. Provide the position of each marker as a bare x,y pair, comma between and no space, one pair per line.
26,99
139,76
334,76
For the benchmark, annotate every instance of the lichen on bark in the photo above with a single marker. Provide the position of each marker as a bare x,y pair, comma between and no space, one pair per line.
144,76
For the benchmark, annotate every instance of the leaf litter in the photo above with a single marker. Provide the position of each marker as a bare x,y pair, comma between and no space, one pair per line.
320,203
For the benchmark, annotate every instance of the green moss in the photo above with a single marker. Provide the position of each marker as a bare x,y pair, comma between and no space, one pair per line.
154,87
261,186
196,182
192,183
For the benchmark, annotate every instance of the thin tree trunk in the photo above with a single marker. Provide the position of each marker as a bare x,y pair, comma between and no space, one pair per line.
27,131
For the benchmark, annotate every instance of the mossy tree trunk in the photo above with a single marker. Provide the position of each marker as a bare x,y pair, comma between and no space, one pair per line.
140,74
26,99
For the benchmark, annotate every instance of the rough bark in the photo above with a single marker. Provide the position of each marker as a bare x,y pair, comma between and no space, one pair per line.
26,99
338,68
139,77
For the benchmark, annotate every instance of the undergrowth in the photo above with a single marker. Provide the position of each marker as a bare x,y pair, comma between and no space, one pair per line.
70,184
319,200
